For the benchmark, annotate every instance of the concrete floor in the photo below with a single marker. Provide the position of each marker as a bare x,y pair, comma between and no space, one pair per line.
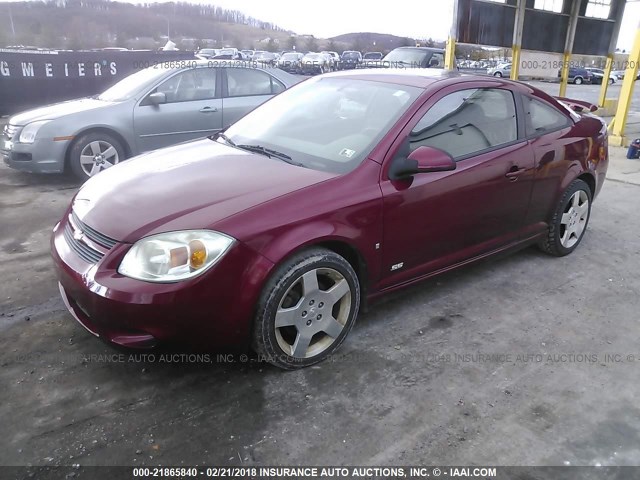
502,363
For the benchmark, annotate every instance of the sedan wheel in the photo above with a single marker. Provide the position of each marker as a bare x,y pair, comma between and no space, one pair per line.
93,153
569,221
497,74
611,81
577,81
307,309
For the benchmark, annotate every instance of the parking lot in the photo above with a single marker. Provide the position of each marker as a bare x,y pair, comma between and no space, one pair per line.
524,360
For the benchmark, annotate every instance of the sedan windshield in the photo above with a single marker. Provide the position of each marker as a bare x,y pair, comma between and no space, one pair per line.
129,86
328,124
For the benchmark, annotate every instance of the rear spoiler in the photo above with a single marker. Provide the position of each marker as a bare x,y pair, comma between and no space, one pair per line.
577,105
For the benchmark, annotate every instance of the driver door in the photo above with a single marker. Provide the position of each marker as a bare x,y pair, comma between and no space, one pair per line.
193,109
435,220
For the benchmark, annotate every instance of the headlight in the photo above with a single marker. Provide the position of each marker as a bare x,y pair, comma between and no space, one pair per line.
28,134
174,256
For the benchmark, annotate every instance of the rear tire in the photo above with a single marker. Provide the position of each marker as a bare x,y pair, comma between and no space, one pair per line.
577,81
497,74
306,309
569,222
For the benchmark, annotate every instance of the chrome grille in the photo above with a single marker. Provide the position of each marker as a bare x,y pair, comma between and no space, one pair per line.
93,234
87,242
83,250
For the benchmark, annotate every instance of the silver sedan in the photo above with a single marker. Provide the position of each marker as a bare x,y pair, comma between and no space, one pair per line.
150,109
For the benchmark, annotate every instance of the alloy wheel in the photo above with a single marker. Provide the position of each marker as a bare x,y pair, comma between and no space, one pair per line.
97,156
574,219
313,313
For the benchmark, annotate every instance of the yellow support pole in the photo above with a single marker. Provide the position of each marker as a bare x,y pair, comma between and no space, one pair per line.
450,50
515,65
516,46
626,92
564,76
605,81
450,54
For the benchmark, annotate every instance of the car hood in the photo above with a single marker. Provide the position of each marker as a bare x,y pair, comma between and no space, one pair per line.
57,110
189,186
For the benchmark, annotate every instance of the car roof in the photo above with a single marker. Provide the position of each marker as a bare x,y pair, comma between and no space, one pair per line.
426,77
428,49
415,77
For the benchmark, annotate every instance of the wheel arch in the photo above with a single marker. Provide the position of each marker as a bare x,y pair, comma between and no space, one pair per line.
97,129
339,245
590,180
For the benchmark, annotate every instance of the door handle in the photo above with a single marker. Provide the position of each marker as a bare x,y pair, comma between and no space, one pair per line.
208,109
514,172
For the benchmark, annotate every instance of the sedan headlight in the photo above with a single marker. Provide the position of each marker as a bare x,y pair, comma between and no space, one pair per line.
28,134
174,256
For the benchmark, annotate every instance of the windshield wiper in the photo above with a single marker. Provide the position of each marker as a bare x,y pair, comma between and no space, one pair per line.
224,137
270,153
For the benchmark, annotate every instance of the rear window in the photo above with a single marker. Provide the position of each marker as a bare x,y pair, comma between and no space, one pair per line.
542,118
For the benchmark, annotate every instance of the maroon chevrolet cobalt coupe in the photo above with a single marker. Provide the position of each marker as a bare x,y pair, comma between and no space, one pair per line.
273,234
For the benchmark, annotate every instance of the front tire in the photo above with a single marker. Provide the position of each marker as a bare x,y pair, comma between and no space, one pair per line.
497,74
93,152
306,309
577,81
570,220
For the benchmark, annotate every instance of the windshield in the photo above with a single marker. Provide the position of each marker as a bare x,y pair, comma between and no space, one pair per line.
373,56
350,55
405,55
129,86
328,124
289,56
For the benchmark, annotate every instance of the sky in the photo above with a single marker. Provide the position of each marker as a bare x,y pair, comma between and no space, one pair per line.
405,18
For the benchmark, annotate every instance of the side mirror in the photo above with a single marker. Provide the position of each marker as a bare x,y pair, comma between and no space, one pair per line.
157,98
422,160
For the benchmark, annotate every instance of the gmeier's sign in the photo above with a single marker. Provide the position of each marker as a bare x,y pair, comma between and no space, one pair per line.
32,78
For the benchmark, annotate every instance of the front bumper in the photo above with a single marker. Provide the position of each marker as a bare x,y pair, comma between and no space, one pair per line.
212,311
42,156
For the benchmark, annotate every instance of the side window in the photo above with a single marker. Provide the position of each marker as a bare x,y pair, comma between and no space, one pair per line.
467,121
246,81
205,83
190,85
436,61
542,117
276,86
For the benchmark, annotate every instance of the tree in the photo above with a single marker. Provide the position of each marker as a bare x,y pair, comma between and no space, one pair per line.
272,46
408,42
291,43
332,46
312,44
358,45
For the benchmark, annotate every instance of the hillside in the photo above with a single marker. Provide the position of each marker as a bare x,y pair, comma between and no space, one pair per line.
80,24
369,41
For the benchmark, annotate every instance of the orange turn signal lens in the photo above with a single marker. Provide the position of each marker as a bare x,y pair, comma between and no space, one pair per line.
198,255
